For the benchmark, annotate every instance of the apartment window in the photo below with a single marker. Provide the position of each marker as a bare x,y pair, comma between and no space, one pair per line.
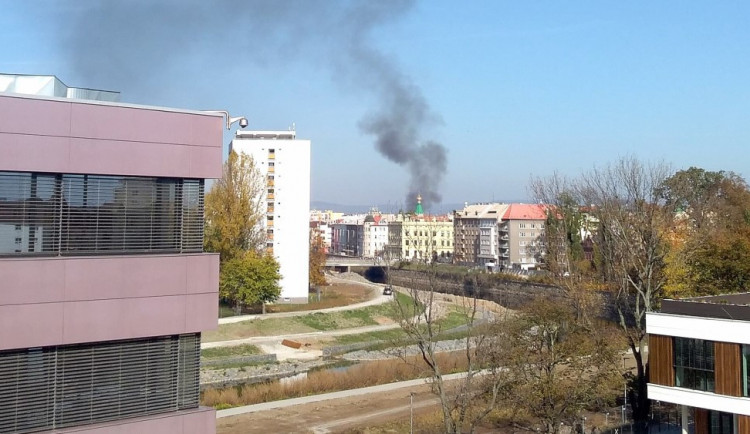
522,225
70,214
522,234
694,364
720,423
81,384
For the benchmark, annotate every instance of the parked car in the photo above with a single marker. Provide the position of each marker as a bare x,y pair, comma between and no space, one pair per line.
388,290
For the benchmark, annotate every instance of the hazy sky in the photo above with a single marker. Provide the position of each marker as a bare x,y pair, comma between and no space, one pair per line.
507,89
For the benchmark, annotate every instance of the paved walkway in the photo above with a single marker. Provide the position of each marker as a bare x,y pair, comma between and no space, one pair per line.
379,299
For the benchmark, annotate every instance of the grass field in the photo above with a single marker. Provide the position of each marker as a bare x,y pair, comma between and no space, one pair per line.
238,350
334,295
385,313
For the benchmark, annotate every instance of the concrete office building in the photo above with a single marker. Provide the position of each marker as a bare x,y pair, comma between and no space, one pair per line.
106,288
284,162
699,358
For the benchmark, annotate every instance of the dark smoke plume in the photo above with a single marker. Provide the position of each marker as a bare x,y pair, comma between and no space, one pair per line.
138,46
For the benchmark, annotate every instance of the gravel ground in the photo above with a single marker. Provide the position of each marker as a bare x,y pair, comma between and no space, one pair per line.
442,346
253,374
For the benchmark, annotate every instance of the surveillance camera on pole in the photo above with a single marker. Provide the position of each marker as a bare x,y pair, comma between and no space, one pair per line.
230,120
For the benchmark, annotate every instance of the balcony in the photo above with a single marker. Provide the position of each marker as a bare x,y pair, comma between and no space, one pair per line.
271,156
271,169
270,196
270,183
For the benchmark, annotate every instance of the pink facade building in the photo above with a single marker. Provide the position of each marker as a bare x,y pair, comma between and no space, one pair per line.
104,285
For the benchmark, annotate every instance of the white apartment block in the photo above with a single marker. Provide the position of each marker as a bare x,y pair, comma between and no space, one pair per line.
284,161
375,238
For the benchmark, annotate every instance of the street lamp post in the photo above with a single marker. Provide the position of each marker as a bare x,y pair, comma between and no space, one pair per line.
411,412
625,393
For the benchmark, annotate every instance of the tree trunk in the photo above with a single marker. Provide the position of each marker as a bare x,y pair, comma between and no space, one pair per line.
263,307
639,401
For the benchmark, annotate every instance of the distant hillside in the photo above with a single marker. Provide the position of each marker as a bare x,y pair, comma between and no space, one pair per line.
441,208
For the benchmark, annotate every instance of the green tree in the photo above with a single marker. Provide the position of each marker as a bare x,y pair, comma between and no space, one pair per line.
710,234
250,279
234,209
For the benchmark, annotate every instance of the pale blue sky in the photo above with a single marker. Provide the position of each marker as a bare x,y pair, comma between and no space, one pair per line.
521,87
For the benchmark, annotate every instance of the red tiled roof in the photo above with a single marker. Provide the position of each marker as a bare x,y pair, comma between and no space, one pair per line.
522,211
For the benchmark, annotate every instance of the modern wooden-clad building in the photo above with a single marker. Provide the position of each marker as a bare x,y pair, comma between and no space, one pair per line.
699,357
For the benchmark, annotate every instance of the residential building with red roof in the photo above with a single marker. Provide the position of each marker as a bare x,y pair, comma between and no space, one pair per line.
521,235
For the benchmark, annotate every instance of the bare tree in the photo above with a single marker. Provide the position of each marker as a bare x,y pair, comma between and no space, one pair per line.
561,246
631,245
557,366
464,402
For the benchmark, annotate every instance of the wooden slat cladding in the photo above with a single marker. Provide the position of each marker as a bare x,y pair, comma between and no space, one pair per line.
743,424
728,368
661,360
701,421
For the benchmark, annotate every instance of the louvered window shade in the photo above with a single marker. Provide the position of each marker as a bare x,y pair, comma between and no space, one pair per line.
57,387
86,214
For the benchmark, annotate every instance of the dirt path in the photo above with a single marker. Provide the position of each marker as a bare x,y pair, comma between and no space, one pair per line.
333,415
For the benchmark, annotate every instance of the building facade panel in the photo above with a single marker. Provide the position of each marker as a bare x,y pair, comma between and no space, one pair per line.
58,279
42,135
728,368
31,325
202,273
134,124
102,320
128,158
30,152
96,278
201,312
198,421
27,281
23,115
743,424
661,360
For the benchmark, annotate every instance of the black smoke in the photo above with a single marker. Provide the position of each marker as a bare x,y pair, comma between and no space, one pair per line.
138,46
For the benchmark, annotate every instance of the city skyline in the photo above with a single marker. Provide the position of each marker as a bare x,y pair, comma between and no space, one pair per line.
510,90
